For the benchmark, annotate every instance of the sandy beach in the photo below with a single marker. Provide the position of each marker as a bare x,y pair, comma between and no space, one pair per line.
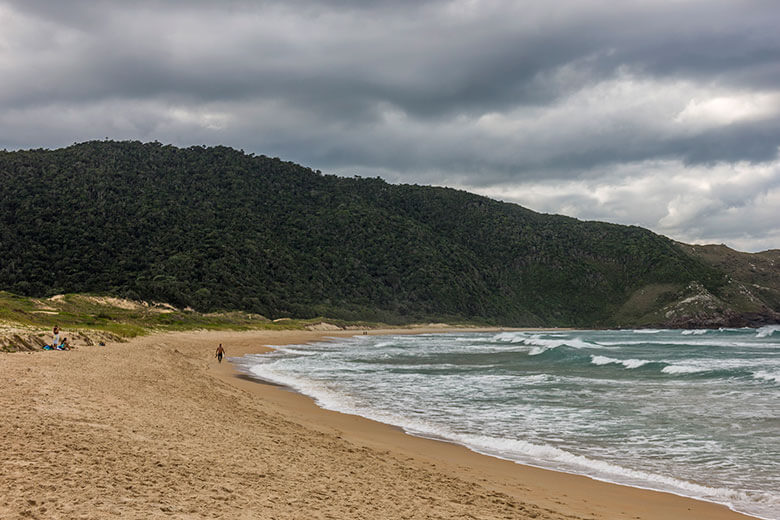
156,428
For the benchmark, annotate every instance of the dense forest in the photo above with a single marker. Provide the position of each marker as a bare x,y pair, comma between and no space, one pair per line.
217,229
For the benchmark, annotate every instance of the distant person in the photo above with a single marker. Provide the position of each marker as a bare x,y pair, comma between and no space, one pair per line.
65,345
56,341
220,352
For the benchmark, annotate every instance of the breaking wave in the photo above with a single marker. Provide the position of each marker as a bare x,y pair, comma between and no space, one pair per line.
765,375
767,331
694,332
628,363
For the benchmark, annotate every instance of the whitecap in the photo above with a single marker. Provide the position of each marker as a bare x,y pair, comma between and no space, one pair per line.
509,337
635,363
603,360
684,369
628,363
767,330
541,345
703,342
765,375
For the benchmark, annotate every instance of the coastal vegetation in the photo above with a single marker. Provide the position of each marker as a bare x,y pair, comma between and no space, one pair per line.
25,322
217,230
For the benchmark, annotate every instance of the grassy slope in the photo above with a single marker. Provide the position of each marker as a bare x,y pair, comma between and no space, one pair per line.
89,315
750,297
760,272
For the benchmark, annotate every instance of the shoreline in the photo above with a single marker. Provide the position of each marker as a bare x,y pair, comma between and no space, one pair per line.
439,439
156,428
526,466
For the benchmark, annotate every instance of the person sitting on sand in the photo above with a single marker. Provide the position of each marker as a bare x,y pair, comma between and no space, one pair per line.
56,341
220,352
65,345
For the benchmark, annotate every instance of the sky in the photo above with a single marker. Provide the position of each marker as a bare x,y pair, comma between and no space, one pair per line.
661,114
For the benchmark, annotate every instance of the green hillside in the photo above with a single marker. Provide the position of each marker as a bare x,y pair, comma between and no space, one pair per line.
217,229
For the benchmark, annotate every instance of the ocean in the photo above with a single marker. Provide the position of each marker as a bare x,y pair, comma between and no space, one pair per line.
692,412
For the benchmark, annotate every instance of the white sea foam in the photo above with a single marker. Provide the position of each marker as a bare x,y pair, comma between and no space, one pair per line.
324,397
628,363
384,344
555,458
767,375
767,331
541,345
684,369
697,342
536,378
646,331
509,337
297,351
694,332
695,365
634,363
603,360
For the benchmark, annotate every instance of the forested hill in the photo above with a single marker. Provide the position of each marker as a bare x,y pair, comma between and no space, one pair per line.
217,229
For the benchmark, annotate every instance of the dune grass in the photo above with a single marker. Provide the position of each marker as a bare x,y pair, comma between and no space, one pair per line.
127,318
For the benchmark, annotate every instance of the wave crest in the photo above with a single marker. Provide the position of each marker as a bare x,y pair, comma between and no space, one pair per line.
684,369
767,330
628,363
694,332
765,375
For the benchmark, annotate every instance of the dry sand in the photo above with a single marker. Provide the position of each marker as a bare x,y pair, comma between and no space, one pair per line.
156,428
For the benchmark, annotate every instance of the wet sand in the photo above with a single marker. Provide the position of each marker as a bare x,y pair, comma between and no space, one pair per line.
156,428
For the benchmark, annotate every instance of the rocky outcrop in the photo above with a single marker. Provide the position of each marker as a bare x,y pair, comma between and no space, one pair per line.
702,309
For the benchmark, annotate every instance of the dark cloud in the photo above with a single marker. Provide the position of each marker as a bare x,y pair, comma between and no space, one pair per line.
479,94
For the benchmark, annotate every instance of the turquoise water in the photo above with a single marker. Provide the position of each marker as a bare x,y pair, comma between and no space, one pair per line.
691,412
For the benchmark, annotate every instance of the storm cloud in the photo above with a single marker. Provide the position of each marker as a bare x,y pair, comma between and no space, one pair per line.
660,114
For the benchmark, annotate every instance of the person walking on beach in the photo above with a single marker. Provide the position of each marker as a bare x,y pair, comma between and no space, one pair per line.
220,352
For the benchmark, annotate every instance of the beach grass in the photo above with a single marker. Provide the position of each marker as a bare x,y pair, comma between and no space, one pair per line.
128,319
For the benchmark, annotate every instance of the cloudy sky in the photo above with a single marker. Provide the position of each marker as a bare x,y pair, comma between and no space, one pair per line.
659,113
